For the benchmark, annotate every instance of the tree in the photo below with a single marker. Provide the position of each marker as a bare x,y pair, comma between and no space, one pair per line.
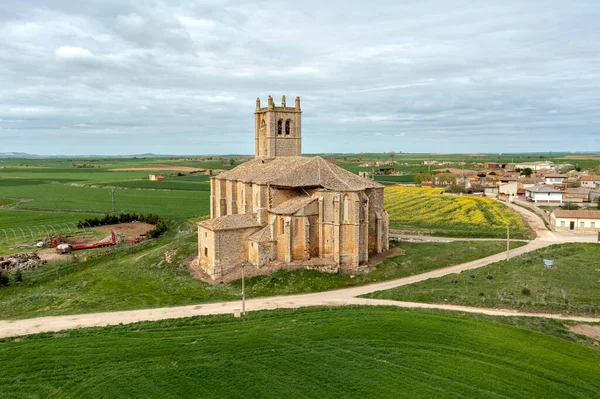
598,202
445,178
422,176
527,172
477,188
455,189
492,173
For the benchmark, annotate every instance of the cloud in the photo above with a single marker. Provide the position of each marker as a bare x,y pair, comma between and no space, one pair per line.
69,53
462,76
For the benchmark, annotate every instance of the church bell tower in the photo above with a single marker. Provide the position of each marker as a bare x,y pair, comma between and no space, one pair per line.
278,129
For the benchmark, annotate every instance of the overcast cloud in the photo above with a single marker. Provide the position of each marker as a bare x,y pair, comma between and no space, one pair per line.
125,77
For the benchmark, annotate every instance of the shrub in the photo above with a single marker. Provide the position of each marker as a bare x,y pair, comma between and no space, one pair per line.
455,189
526,291
160,223
4,280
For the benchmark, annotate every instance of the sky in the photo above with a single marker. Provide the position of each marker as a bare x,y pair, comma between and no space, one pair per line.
116,77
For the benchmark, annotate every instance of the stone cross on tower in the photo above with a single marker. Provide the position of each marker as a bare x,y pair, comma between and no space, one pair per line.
278,130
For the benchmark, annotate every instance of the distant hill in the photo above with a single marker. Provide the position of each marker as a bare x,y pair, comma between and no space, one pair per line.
18,155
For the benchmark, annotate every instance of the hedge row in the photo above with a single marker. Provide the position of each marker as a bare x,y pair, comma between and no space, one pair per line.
160,223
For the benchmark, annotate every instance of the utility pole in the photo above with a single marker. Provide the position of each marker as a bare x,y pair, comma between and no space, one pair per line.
507,241
243,293
112,191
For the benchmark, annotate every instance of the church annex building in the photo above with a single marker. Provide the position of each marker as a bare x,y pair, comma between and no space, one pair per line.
283,207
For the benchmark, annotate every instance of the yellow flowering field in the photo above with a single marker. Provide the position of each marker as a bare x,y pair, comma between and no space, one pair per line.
428,211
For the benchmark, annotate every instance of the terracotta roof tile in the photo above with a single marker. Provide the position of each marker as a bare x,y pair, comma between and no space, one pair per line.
590,178
292,206
561,213
230,222
262,235
298,172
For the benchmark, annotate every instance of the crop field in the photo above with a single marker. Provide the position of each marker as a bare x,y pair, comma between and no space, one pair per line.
58,196
170,184
319,352
427,211
523,283
136,277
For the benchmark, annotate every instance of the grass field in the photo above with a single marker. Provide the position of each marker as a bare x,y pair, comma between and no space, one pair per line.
13,218
317,352
427,211
523,283
170,184
57,196
139,277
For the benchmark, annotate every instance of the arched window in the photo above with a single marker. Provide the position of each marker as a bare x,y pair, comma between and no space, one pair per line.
263,124
279,126
287,128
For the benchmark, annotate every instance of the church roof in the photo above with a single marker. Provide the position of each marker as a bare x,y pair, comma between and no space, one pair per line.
298,172
292,206
230,222
262,235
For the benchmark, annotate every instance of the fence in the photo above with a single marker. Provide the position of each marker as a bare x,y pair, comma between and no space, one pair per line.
31,233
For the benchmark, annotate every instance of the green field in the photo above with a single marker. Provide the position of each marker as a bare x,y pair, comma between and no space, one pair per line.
138,277
175,204
317,352
571,287
13,218
171,184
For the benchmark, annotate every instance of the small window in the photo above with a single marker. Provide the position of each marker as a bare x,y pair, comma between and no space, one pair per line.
205,234
279,127
205,251
581,224
562,223
592,224
287,128
282,226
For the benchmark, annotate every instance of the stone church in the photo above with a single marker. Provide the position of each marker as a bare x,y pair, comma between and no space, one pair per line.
282,207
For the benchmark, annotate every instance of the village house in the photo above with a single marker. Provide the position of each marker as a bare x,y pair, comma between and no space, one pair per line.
544,195
157,177
282,207
590,181
509,189
580,194
535,166
554,179
577,220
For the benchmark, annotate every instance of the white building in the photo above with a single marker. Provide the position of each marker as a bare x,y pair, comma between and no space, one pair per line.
578,220
590,181
509,189
535,166
554,179
544,195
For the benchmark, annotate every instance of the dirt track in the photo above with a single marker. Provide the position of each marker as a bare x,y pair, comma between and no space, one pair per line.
346,296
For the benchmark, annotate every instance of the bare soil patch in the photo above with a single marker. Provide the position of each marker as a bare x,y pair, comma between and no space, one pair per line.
128,230
587,330
159,168
458,171
50,254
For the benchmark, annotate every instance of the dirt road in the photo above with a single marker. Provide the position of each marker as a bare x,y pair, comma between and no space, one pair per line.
346,296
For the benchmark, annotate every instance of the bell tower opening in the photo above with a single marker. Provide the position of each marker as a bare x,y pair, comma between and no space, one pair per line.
278,129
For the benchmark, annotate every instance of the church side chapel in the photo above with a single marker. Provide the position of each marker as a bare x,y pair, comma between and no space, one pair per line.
283,208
